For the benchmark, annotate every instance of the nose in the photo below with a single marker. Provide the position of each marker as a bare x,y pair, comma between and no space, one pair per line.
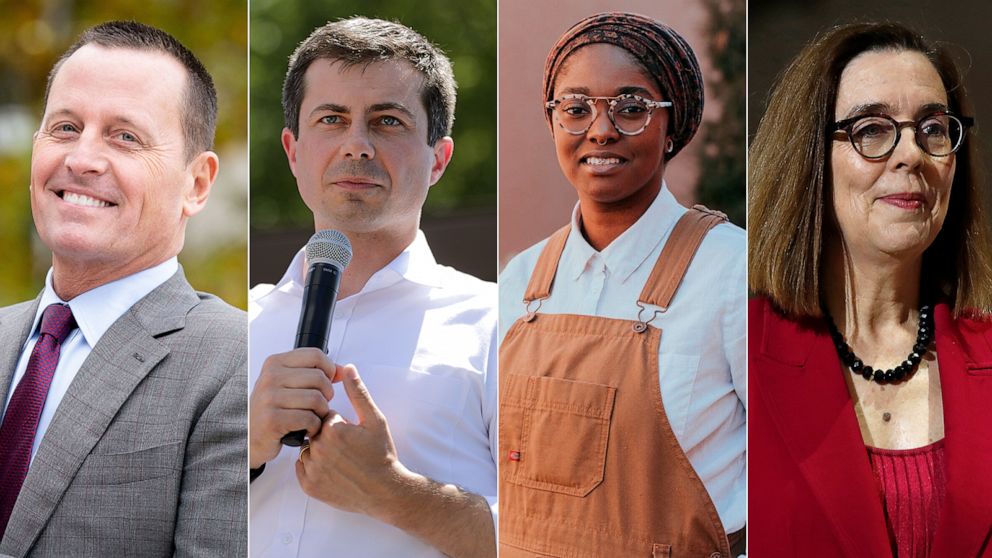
908,153
357,143
602,130
87,156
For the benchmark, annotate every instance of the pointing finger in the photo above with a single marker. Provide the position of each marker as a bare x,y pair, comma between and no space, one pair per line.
361,399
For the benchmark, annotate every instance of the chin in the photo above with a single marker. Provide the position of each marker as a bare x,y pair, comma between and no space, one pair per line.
601,191
355,221
903,245
67,240
75,246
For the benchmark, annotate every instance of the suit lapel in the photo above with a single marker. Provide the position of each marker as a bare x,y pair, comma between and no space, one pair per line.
810,405
126,353
15,327
964,351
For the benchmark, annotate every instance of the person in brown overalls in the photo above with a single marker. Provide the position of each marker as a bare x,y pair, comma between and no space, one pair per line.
595,408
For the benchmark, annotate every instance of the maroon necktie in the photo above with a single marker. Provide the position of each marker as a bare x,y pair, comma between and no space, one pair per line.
20,422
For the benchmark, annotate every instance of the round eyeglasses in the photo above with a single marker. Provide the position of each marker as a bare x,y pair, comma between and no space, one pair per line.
876,135
630,114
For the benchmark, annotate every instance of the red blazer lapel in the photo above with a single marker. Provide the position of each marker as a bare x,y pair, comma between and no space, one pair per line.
801,379
964,352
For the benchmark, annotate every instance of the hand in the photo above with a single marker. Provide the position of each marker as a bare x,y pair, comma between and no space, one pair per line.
291,394
353,467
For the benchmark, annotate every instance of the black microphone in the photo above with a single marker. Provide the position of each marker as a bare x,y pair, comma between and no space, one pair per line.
328,254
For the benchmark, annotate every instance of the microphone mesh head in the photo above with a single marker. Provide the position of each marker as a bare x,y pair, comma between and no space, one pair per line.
330,247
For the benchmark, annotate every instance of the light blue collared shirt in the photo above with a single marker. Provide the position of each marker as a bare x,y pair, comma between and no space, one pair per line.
95,311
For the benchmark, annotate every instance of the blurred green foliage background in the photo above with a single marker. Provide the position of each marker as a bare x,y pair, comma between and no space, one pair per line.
465,31
33,33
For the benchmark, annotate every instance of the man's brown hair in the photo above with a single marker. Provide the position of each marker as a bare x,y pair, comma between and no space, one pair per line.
359,40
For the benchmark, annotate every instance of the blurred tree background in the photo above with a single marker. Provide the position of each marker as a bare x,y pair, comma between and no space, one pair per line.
722,161
33,33
465,198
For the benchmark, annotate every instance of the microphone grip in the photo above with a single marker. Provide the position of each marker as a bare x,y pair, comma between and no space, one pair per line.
319,296
294,439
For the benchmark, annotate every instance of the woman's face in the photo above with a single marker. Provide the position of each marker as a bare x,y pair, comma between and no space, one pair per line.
603,165
895,205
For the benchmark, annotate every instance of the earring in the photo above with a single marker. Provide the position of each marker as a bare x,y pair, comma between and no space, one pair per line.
670,146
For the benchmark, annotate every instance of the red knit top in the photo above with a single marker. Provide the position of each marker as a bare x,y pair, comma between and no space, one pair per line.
912,484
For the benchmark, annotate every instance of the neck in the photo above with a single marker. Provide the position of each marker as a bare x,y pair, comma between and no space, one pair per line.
866,295
371,252
71,279
603,222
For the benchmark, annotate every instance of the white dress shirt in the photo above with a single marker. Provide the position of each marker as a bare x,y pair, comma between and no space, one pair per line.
95,311
423,339
702,352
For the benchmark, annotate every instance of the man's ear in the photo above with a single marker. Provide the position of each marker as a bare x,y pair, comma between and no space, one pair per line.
289,146
442,156
203,169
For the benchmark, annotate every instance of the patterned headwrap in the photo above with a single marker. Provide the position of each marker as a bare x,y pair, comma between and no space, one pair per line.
664,54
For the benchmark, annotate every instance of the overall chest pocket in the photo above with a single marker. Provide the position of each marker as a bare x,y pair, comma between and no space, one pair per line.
553,433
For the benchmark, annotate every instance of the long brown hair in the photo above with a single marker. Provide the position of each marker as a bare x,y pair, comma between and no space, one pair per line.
789,183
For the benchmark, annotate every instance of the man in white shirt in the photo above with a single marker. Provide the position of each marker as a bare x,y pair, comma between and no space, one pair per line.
123,389
401,460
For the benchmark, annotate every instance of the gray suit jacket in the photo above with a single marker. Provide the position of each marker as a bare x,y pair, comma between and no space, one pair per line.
147,452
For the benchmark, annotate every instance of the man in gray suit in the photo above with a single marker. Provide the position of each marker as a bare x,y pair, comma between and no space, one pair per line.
124,427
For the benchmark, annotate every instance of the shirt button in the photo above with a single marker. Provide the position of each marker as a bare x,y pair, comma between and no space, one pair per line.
287,538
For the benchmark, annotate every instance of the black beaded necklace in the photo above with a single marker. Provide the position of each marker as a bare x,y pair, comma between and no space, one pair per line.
923,337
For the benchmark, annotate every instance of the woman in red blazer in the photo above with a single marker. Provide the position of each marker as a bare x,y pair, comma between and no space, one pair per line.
870,347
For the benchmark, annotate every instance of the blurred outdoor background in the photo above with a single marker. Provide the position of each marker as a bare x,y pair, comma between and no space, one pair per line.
460,215
33,33
535,199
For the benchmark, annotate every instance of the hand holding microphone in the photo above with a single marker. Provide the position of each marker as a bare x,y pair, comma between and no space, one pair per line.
328,254
293,389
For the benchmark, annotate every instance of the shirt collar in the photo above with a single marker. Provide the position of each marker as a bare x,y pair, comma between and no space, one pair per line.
415,263
97,309
629,250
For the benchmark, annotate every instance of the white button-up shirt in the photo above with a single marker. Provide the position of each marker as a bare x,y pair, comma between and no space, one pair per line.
423,339
95,311
702,353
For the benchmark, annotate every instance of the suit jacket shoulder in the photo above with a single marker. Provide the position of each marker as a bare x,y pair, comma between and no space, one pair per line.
147,453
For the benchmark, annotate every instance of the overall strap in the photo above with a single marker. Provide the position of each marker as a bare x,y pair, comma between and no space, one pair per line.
543,275
677,254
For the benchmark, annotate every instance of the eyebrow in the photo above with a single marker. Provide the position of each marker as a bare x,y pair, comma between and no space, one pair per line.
930,108
378,107
382,107
118,119
634,90
60,112
867,108
624,90
330,107
885,108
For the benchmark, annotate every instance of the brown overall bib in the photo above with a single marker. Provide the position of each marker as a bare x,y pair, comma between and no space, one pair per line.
589,465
